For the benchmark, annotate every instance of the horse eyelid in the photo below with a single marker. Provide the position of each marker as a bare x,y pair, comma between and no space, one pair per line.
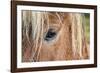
50,35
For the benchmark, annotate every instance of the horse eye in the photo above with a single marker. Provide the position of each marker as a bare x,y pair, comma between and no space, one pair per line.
50,35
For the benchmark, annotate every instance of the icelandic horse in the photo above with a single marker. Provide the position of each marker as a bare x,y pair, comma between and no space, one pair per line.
52,36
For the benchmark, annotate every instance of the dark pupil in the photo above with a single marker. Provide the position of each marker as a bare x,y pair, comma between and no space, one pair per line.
50,35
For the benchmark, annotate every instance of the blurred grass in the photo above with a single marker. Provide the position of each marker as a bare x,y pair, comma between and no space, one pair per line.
87,27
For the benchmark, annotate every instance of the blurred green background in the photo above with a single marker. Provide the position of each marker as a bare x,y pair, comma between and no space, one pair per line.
87,26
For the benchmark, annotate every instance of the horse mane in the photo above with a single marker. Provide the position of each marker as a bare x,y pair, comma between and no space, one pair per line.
34,24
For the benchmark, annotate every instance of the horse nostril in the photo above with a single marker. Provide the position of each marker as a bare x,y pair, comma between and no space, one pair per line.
50,35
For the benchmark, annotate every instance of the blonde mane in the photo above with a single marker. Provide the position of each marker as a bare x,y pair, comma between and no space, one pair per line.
35,24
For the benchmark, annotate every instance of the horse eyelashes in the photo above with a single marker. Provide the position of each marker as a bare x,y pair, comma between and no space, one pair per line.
50,35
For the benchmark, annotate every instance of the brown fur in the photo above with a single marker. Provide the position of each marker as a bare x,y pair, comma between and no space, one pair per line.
61,47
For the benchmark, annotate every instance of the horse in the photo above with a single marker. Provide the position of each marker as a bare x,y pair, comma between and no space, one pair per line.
53,36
